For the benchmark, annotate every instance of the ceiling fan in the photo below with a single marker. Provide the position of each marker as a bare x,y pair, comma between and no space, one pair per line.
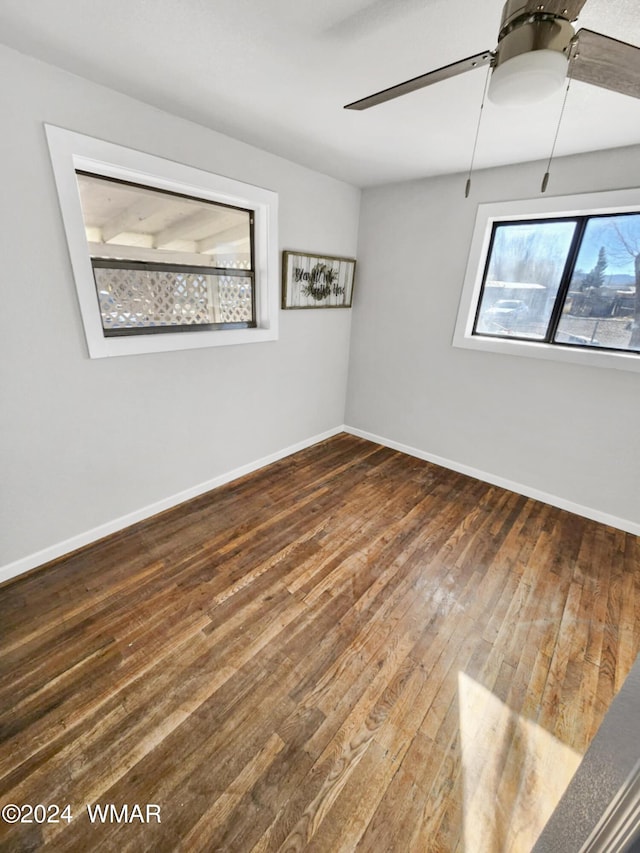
537,50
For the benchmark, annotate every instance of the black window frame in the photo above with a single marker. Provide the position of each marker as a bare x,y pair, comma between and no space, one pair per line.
125,331
582,221
124,263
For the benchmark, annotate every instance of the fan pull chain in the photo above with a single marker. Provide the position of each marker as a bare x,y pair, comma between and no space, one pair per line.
475,142
545,179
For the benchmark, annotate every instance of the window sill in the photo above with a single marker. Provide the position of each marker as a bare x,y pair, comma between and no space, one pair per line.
550,352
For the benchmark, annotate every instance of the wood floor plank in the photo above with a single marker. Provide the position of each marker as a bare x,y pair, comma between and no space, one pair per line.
351,649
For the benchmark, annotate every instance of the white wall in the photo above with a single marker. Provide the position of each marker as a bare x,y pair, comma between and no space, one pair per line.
550,429
86,442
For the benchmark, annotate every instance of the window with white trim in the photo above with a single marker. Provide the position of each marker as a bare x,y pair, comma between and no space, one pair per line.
165,256
559,283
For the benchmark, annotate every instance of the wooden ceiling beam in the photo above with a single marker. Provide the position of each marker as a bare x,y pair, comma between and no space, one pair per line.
131,218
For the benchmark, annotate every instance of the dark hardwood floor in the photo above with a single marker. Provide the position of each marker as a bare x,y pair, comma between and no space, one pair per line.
351,649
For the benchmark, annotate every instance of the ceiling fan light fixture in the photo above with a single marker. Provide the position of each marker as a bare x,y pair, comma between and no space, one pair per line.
528,77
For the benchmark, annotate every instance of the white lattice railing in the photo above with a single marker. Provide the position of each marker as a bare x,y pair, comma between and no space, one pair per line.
141,298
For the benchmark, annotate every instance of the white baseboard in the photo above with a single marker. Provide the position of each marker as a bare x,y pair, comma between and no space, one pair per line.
587,512
39,558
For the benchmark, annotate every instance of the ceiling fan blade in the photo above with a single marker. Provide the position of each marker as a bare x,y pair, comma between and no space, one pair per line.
423,80
569,9
607,62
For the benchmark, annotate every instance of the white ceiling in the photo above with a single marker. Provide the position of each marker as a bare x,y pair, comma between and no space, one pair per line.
276,73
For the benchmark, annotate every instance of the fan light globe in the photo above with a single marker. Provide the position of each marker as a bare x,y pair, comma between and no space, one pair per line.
528,77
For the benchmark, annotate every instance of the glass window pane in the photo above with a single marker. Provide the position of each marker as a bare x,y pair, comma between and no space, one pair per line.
523,276
141,299
129,222
602,307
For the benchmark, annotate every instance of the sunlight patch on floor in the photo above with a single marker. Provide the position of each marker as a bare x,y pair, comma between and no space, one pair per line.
514,773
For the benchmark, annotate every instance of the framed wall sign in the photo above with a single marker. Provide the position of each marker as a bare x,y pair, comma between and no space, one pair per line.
316,281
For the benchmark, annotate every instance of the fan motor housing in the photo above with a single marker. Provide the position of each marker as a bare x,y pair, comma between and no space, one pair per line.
523,32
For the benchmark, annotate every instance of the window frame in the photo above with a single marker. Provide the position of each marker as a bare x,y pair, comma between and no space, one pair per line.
554,207
128,331
72,152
